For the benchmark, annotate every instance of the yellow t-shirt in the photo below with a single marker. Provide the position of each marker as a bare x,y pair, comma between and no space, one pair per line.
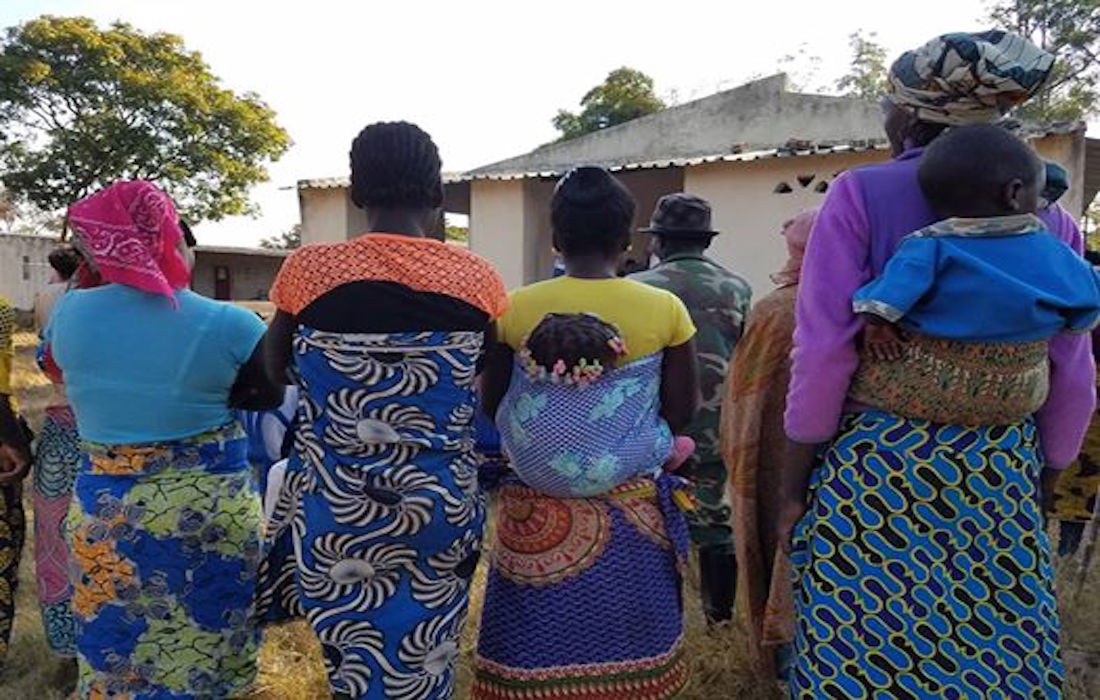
7,329
649,319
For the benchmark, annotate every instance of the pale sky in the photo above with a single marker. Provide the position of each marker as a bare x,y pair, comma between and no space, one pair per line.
485,77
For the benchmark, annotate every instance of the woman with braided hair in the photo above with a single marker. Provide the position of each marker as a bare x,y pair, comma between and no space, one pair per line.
583,597
383,334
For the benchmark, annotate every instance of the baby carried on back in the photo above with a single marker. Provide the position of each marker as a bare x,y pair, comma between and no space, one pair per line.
577,423
958,324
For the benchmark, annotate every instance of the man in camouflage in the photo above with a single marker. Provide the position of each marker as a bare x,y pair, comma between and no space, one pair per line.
718,301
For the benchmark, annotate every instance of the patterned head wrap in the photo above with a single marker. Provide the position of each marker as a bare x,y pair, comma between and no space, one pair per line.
131,231
965,78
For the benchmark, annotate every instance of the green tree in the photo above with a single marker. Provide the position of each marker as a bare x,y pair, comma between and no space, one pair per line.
457,234
287,240
866,76
22,218
626,94
1069,29
82,106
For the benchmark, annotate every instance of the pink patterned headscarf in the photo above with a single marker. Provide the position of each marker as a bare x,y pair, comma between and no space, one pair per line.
797,233
132,231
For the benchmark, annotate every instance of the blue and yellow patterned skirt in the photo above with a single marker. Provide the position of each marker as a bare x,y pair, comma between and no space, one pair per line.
164,548
922,568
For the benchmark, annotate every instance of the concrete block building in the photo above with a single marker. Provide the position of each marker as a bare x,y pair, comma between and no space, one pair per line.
759,152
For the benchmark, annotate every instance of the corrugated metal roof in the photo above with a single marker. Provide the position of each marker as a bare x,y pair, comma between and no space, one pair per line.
331,183
794,150
233,250
324,183
739,157
1033,130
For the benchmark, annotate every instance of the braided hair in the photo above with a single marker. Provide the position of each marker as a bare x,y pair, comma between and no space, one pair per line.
570,338
395,165
591,212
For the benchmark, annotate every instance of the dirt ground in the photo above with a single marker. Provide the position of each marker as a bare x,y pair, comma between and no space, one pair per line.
290,661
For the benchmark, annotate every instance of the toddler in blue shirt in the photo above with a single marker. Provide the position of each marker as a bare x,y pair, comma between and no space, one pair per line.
989,272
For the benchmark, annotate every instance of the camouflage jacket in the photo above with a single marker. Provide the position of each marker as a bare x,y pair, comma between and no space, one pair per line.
718,301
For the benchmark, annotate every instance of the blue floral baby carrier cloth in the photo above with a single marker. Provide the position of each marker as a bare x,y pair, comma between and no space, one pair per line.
582,440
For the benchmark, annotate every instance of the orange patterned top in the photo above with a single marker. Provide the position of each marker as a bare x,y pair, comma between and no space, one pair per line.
422,264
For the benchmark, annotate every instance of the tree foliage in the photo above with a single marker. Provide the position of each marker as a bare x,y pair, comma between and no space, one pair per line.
287,240
802,69
1070,30
82,106
866,76
626,94
22,218
457,234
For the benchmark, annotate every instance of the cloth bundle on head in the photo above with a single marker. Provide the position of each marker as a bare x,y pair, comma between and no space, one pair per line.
963,78
797,233
131,231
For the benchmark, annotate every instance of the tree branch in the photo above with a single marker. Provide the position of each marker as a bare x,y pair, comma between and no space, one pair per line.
45,119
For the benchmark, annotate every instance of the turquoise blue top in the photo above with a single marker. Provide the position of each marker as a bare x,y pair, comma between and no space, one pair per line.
1003,279
138,370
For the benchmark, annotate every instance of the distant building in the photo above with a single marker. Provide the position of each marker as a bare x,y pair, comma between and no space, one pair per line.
24,271
758,152
238,274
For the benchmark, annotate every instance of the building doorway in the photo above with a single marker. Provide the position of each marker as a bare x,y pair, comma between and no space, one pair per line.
223,285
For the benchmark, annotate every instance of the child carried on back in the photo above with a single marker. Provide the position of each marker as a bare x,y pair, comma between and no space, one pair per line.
958,324
579,421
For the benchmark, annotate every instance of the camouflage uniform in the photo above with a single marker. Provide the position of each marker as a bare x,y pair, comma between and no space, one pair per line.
718,301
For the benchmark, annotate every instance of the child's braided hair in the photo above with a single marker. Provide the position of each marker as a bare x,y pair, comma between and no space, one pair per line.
562,344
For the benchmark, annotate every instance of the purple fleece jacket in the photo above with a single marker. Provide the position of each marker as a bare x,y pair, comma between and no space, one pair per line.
863,219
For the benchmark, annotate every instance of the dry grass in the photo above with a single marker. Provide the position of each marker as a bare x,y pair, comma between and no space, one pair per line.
1079,590
290,661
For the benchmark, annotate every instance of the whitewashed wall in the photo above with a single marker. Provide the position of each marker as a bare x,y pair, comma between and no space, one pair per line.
24,270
